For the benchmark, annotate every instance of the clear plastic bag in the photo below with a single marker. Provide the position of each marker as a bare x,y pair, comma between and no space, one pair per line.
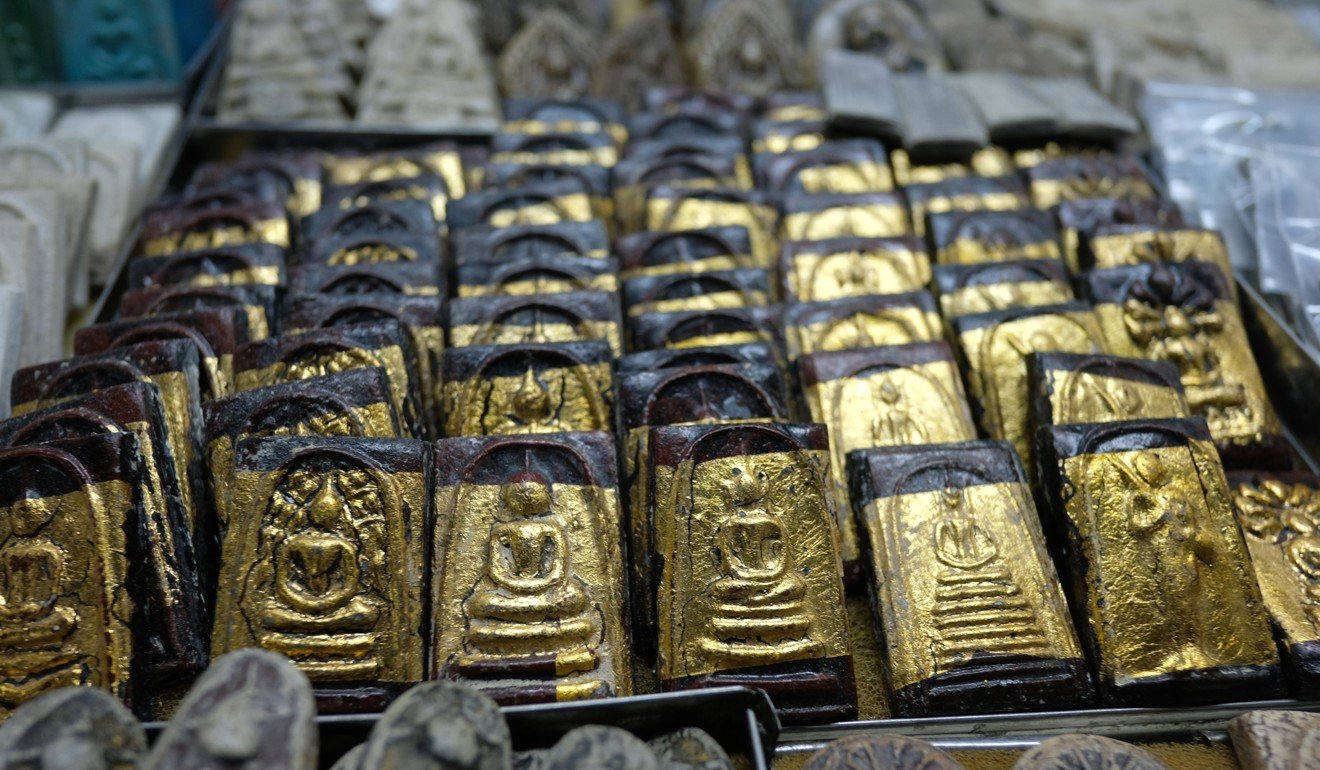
1206,138
1286,185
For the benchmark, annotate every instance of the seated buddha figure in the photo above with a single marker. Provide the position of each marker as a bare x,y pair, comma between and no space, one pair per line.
529,609
322,611
34,623
758,614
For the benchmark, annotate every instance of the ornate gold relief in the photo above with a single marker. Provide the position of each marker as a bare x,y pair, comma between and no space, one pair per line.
964,581
551,388
1161,568
528,568
751,574
1184,314
1121,246
66,609
323,557
1280,520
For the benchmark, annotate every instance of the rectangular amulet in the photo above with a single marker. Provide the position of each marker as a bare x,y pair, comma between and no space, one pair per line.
484,243
1079,220
971,193
324,561
707,328
560,274
543,203
377,248
379,219
172,366
216,334
713,290
844,215
528,590
1172,612
429,188
572,317
172,230
835,268
670,358
674,207
421,317
1088,176
748,579
687,394
293,179
169,588
71,529
861,322
1278,516
969,605
1185,314
530,388
444,160
409,279
254,263
979,237
1079,388
728,247
257,302
842,166
981,288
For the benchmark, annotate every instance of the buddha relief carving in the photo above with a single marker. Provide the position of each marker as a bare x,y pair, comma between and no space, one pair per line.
1171,317
976,593
530,603
551,393
323,533
59,589
759,613
1101,399
33,578
640,56
893,424
747,47
551,57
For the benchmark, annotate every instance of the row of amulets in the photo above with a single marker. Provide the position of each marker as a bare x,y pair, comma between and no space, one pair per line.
260,417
